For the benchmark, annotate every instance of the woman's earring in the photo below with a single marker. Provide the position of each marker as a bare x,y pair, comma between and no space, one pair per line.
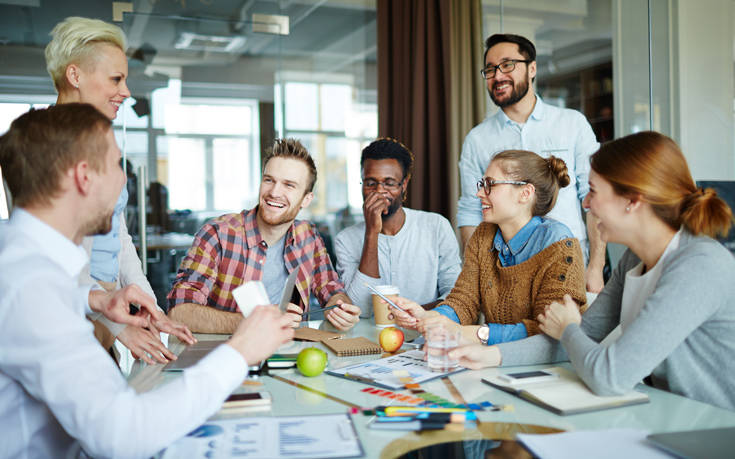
627,209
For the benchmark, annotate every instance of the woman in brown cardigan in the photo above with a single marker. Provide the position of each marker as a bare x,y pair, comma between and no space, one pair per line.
517,261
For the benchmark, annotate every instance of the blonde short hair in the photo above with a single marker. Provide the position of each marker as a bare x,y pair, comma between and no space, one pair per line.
73,42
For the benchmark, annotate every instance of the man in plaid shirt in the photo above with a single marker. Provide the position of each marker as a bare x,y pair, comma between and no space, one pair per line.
265,243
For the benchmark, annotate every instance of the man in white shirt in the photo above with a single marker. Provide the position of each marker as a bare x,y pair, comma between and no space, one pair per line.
60,394
414,250
525,122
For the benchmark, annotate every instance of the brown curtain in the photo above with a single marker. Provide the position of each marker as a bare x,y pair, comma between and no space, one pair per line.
467,101
414,91
428,94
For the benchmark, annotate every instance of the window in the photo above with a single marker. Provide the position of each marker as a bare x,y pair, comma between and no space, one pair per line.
334,126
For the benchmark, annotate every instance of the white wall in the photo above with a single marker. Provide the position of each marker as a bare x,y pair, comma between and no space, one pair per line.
705,34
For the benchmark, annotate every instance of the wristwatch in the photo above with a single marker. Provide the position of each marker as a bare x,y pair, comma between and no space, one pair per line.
483,333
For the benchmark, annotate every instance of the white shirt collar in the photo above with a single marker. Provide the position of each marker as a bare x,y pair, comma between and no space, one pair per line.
60,249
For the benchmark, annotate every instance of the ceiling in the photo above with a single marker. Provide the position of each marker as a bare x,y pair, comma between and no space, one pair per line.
165,39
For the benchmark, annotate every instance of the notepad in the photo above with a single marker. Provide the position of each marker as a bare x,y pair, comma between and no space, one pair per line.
313,334
346,347
567,394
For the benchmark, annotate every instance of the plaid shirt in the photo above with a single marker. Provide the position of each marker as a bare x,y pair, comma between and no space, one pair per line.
229,250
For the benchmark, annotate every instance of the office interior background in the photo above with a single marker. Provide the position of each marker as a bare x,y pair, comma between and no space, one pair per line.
213,82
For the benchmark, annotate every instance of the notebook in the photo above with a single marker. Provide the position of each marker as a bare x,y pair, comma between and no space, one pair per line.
345,347
566,394
314,334
697,444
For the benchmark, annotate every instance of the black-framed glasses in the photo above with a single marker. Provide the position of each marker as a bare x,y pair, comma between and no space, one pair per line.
505,67
487,184
389,184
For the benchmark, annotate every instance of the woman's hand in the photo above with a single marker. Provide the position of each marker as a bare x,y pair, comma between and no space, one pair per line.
411,315
145,344
433,318
558,316
476,356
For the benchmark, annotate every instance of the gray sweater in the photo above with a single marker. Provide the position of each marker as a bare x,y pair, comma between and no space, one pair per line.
684,337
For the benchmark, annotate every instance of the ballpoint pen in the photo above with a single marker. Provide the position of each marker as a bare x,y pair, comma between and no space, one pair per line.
321,310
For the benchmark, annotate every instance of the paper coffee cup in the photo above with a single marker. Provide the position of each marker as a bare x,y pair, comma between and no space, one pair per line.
381,311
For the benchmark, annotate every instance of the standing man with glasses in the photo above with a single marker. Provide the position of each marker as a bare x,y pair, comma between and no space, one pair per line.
525,122
413,250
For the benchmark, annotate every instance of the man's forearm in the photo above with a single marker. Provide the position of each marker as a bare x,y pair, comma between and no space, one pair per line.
466,232
203,319
369,259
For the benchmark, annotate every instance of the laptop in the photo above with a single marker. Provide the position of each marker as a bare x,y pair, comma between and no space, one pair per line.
196,352
697,444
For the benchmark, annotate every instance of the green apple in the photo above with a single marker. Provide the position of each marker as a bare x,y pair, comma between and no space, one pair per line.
391,339
311,361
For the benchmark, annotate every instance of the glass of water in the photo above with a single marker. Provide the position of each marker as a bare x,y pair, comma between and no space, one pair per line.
440,339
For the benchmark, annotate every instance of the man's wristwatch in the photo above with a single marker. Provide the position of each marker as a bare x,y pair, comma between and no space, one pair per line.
483,333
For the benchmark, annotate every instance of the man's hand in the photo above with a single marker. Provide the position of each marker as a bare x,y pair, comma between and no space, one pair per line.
261,333
476,356
116,306
145,344
294,312
594,279
558,316
375,205
344,317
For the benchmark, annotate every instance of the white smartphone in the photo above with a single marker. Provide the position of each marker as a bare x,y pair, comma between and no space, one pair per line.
526,377
248,400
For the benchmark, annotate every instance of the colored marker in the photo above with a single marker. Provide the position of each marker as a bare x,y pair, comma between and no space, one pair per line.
434,417
413,425
388,410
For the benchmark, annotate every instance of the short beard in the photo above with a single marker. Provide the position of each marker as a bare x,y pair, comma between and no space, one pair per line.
518,93
392,209
286,218
99,225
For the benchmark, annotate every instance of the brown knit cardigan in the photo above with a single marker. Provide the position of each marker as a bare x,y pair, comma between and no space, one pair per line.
513,294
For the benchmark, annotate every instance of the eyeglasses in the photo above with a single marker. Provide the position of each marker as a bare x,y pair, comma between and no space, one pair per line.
390,184
505,67
487,184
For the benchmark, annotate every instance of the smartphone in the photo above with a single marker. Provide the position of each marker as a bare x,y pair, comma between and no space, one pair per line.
527,377
248,400
282,361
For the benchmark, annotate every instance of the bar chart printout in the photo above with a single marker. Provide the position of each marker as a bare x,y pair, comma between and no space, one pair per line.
324,436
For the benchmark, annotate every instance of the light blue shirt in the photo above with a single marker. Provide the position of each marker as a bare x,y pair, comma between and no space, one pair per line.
535,236
549,130
103,263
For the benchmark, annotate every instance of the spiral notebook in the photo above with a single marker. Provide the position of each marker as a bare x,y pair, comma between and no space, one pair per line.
345,347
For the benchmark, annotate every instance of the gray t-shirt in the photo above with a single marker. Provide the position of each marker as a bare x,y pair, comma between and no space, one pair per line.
684,336
274,271
422,260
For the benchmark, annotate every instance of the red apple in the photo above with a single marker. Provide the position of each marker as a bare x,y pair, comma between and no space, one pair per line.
391,339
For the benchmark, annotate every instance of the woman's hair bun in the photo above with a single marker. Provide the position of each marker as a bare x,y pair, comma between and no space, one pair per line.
559,168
